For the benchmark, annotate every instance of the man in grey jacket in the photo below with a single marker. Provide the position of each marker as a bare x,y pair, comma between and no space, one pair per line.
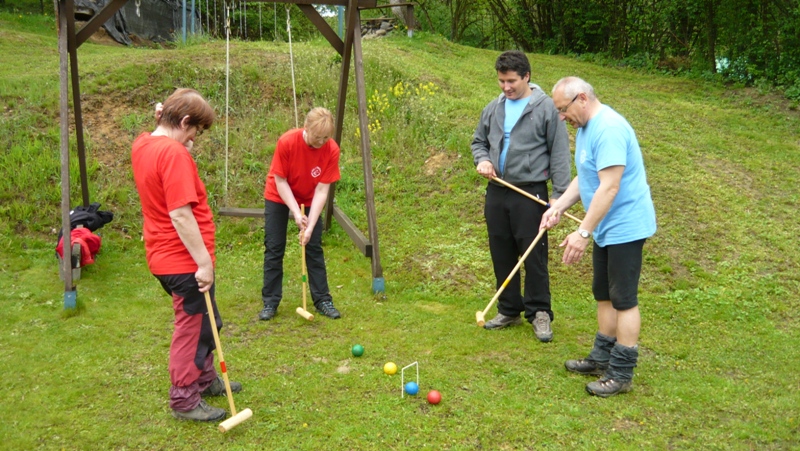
521,140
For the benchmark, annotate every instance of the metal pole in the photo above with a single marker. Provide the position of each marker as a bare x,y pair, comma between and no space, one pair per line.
183,28
340,11
192,17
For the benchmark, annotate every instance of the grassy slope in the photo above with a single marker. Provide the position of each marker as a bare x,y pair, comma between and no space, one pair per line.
719,291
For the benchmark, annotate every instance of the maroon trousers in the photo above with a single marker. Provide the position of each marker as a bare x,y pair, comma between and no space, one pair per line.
191,357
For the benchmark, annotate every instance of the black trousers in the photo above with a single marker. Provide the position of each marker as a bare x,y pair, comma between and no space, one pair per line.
513,222
276,221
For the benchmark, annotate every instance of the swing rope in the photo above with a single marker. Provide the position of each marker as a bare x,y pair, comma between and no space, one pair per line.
291,62
227,83
227,90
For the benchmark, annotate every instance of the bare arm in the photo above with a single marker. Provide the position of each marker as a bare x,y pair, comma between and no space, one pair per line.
285,191
320,196
189,232
610,178
552,216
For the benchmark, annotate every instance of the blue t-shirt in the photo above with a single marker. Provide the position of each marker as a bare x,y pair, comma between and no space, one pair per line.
609,140
514,110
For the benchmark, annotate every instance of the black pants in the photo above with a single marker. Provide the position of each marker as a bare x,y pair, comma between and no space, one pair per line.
513,222
276,221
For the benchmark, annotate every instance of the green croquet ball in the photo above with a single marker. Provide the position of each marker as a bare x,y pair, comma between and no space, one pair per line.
358,350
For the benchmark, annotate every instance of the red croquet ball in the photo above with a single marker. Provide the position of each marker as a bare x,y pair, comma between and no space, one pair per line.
434,397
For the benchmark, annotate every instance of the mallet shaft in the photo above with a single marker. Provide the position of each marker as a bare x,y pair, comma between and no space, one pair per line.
302,311
531,196
222,366
482,314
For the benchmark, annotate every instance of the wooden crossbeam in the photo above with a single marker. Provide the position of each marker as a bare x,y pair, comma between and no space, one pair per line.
359,239
243,212
353,232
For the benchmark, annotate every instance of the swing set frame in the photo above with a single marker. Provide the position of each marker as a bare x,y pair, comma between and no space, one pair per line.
70,38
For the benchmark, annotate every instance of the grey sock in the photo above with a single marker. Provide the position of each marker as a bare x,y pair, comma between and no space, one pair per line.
601,352
623,361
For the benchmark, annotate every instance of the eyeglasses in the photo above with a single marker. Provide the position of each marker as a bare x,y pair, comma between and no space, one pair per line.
566,107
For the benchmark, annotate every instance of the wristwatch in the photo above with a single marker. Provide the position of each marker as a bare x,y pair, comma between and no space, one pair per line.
584,233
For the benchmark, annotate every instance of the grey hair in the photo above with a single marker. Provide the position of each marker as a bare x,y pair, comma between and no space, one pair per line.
573,86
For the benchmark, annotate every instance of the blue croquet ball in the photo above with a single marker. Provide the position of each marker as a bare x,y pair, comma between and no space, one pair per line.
412,388
358,350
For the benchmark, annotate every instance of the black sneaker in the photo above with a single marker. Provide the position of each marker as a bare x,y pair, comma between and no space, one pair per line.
203,412
217,388
605,387
268,313
327,309
586,366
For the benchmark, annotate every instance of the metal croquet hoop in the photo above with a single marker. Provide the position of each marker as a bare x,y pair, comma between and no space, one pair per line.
403,378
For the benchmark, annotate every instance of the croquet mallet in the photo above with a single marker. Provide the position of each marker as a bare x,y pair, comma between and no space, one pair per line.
235,418
531,196
302,310
480,317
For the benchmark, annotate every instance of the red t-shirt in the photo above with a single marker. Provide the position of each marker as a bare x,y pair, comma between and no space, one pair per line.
166,178
303,167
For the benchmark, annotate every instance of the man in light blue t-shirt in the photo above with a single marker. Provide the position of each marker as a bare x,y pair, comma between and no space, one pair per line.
612,185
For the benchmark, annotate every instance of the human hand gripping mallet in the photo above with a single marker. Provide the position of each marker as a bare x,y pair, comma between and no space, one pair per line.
302,310
480,317
236,418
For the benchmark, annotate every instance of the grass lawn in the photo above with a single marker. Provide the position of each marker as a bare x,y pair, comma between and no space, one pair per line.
719,359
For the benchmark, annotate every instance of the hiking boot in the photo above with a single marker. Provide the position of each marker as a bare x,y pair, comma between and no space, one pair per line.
217,388
541,326
203,412
268,313
605,387
500,321
586,366
326,308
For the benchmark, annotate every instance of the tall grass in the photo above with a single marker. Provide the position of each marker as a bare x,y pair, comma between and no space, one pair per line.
719,360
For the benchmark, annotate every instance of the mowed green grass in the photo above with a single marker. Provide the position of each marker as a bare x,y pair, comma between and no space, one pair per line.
719,293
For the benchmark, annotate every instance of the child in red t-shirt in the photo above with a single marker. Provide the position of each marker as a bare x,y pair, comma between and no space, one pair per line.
179,246
305,163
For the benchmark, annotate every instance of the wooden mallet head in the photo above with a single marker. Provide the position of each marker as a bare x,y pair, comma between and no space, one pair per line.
305,313
480,318
235,420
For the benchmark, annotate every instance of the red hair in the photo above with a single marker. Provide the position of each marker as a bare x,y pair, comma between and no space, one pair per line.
187,102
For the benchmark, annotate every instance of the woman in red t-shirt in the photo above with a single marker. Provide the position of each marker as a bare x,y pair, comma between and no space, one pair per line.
305,163
179,246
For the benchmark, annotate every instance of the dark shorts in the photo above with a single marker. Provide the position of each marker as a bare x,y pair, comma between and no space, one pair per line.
617,268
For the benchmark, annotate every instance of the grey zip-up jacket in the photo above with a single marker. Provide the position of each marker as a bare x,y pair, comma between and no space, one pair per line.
539,147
